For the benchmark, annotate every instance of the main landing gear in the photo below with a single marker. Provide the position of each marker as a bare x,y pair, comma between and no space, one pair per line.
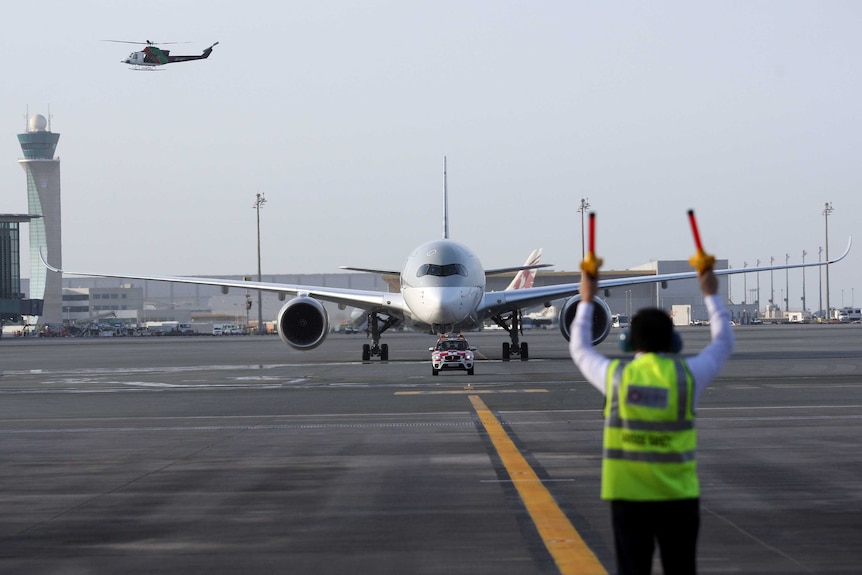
377,324
512,323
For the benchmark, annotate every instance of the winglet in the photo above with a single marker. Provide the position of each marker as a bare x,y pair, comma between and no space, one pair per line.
206,53
46,264
846,251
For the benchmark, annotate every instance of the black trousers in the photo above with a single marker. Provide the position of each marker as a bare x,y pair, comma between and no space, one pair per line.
639,525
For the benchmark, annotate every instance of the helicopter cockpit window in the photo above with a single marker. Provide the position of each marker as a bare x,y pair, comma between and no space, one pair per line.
441,270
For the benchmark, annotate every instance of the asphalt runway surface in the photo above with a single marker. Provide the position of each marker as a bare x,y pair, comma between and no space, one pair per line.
235,454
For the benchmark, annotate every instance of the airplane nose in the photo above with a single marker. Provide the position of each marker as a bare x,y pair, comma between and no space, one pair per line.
446,305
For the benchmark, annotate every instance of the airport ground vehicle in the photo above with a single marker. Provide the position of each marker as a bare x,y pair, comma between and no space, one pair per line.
849,314
452,352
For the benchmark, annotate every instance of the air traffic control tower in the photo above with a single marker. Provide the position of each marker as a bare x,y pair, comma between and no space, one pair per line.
43,199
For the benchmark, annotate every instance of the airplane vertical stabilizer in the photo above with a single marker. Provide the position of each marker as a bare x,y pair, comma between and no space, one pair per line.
524,278
445,204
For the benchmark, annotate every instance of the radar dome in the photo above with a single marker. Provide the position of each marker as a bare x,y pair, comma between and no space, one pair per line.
38,123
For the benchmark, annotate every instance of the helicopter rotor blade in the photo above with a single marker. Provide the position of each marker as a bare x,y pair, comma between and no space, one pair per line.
144,43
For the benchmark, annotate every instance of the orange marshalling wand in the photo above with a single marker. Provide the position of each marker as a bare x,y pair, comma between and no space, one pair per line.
701,261
591,264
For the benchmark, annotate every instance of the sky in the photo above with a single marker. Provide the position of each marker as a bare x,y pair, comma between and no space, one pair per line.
341,113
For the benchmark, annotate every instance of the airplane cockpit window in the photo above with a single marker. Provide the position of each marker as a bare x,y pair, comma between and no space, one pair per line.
441,270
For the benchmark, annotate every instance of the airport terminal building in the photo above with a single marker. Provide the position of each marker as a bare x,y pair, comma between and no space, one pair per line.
13,301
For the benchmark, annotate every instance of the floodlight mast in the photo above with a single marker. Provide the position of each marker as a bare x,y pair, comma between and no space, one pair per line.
258,203
826,211
585,204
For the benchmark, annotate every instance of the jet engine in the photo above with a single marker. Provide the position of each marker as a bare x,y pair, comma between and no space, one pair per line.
601,318
303,323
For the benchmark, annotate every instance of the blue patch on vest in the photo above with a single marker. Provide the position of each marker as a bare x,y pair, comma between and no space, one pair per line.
643,396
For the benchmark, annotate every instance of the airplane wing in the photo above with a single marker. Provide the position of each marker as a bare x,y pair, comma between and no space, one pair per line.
364,299
371,271
499,271
491,272
498,302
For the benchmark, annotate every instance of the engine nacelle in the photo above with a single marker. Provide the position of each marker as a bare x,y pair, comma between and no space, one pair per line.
601,318
303,323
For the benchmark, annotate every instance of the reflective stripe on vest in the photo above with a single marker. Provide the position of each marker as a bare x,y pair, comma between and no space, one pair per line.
649,438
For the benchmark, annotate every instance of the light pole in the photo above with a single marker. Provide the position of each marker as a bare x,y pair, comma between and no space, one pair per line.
585,204
757,301
729,286
804,253
827,209
820,279
771,285
258,203
786,284
744,284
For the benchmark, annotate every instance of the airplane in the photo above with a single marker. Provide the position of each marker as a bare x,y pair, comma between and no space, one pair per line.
524,278
152,56
442,291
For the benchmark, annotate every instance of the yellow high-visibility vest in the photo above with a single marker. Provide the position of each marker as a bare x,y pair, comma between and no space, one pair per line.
649,439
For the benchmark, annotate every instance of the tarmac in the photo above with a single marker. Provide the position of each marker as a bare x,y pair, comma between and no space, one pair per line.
236,454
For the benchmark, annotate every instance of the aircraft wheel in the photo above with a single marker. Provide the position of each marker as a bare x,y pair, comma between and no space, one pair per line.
366,352
506,352
525,352
384,352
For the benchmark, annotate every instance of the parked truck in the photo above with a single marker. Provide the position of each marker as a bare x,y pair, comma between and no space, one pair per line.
681,314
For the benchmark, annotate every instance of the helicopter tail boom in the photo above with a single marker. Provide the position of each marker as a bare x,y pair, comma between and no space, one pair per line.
204,55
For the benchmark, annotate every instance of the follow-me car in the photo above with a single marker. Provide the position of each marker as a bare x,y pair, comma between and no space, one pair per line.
452,352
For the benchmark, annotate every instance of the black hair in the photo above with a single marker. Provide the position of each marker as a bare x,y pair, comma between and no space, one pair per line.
652,331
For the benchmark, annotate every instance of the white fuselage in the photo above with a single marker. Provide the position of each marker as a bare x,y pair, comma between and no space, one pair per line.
443,283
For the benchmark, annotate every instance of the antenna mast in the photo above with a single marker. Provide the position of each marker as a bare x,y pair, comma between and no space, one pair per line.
445,203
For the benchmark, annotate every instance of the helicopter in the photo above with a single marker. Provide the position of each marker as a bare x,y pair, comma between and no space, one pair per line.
152,56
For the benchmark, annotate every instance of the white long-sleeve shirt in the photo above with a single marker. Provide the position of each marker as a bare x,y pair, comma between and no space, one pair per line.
703,367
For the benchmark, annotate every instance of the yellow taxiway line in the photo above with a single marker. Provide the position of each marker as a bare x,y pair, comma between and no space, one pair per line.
563,542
